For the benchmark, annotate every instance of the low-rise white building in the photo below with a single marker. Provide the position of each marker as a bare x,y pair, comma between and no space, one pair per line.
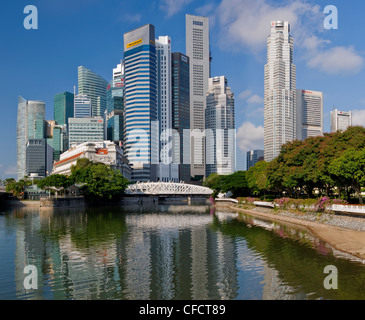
105,152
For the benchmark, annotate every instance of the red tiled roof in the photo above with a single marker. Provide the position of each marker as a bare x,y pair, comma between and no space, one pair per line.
102,151
68,159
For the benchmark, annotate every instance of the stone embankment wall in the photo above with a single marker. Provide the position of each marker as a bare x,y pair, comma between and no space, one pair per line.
62,202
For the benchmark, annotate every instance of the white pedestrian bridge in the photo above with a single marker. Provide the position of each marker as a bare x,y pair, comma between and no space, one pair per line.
167,188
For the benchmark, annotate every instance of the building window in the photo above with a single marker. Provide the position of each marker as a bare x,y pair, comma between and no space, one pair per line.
197,23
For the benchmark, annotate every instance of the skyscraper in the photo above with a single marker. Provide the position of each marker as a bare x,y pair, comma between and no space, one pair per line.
115,106
309,114
220,128
94,87
253,157
82,106
181,114
63,107
166,169
31,137
163,55
141,129
197,49
280,90
340,120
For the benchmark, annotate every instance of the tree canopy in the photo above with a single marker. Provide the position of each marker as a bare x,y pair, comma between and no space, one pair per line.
101,182
330,163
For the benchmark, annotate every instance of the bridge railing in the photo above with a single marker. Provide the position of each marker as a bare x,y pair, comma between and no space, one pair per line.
173,188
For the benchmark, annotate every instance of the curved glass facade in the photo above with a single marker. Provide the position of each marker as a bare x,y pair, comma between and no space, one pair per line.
94,87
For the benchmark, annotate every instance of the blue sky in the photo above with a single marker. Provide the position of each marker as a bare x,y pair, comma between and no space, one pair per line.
37,64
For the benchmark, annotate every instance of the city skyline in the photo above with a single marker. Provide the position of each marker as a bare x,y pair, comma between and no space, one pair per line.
324,70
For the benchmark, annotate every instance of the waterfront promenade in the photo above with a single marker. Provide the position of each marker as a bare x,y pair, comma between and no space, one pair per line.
343,233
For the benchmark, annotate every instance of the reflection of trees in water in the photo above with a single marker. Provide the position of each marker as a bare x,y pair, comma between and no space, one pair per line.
103,253
299,261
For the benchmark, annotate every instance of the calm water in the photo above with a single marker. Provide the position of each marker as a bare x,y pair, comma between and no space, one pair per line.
166,252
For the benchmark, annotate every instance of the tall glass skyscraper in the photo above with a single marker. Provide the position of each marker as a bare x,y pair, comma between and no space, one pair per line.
280,90
30,132
197,49
181,114
94,87
63,107
141,127
163,53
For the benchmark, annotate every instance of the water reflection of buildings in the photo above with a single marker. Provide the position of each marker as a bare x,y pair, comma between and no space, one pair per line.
157,256
175,253
179,257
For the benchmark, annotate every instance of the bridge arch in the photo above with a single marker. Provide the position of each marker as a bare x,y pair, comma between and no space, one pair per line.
167,188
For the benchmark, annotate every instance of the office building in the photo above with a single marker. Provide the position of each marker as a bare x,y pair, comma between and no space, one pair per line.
181,114
280,90
82,106
163,55
58,140
30,126
220,128
63,107
141,125
340,120
309,114
115,106
166,170
36,157
253,157
85,130
197,49
94,87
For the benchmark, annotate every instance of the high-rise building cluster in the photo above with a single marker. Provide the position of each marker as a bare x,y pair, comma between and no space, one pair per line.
168,119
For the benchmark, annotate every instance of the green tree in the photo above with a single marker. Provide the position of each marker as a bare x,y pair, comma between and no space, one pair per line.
349,168
54,180
236,183
16,188
102,182
214,182
257,178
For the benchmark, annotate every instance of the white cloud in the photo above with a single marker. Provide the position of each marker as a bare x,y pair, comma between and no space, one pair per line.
255,99
250,137
244,94
173,6
205,10
250,98
358,118
245,24
132,17
337,60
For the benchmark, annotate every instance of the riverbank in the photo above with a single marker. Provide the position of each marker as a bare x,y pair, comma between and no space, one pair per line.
343,233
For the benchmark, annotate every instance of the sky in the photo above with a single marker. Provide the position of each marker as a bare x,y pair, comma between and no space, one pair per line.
39,63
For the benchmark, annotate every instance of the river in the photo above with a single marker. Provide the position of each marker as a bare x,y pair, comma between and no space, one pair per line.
166,252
